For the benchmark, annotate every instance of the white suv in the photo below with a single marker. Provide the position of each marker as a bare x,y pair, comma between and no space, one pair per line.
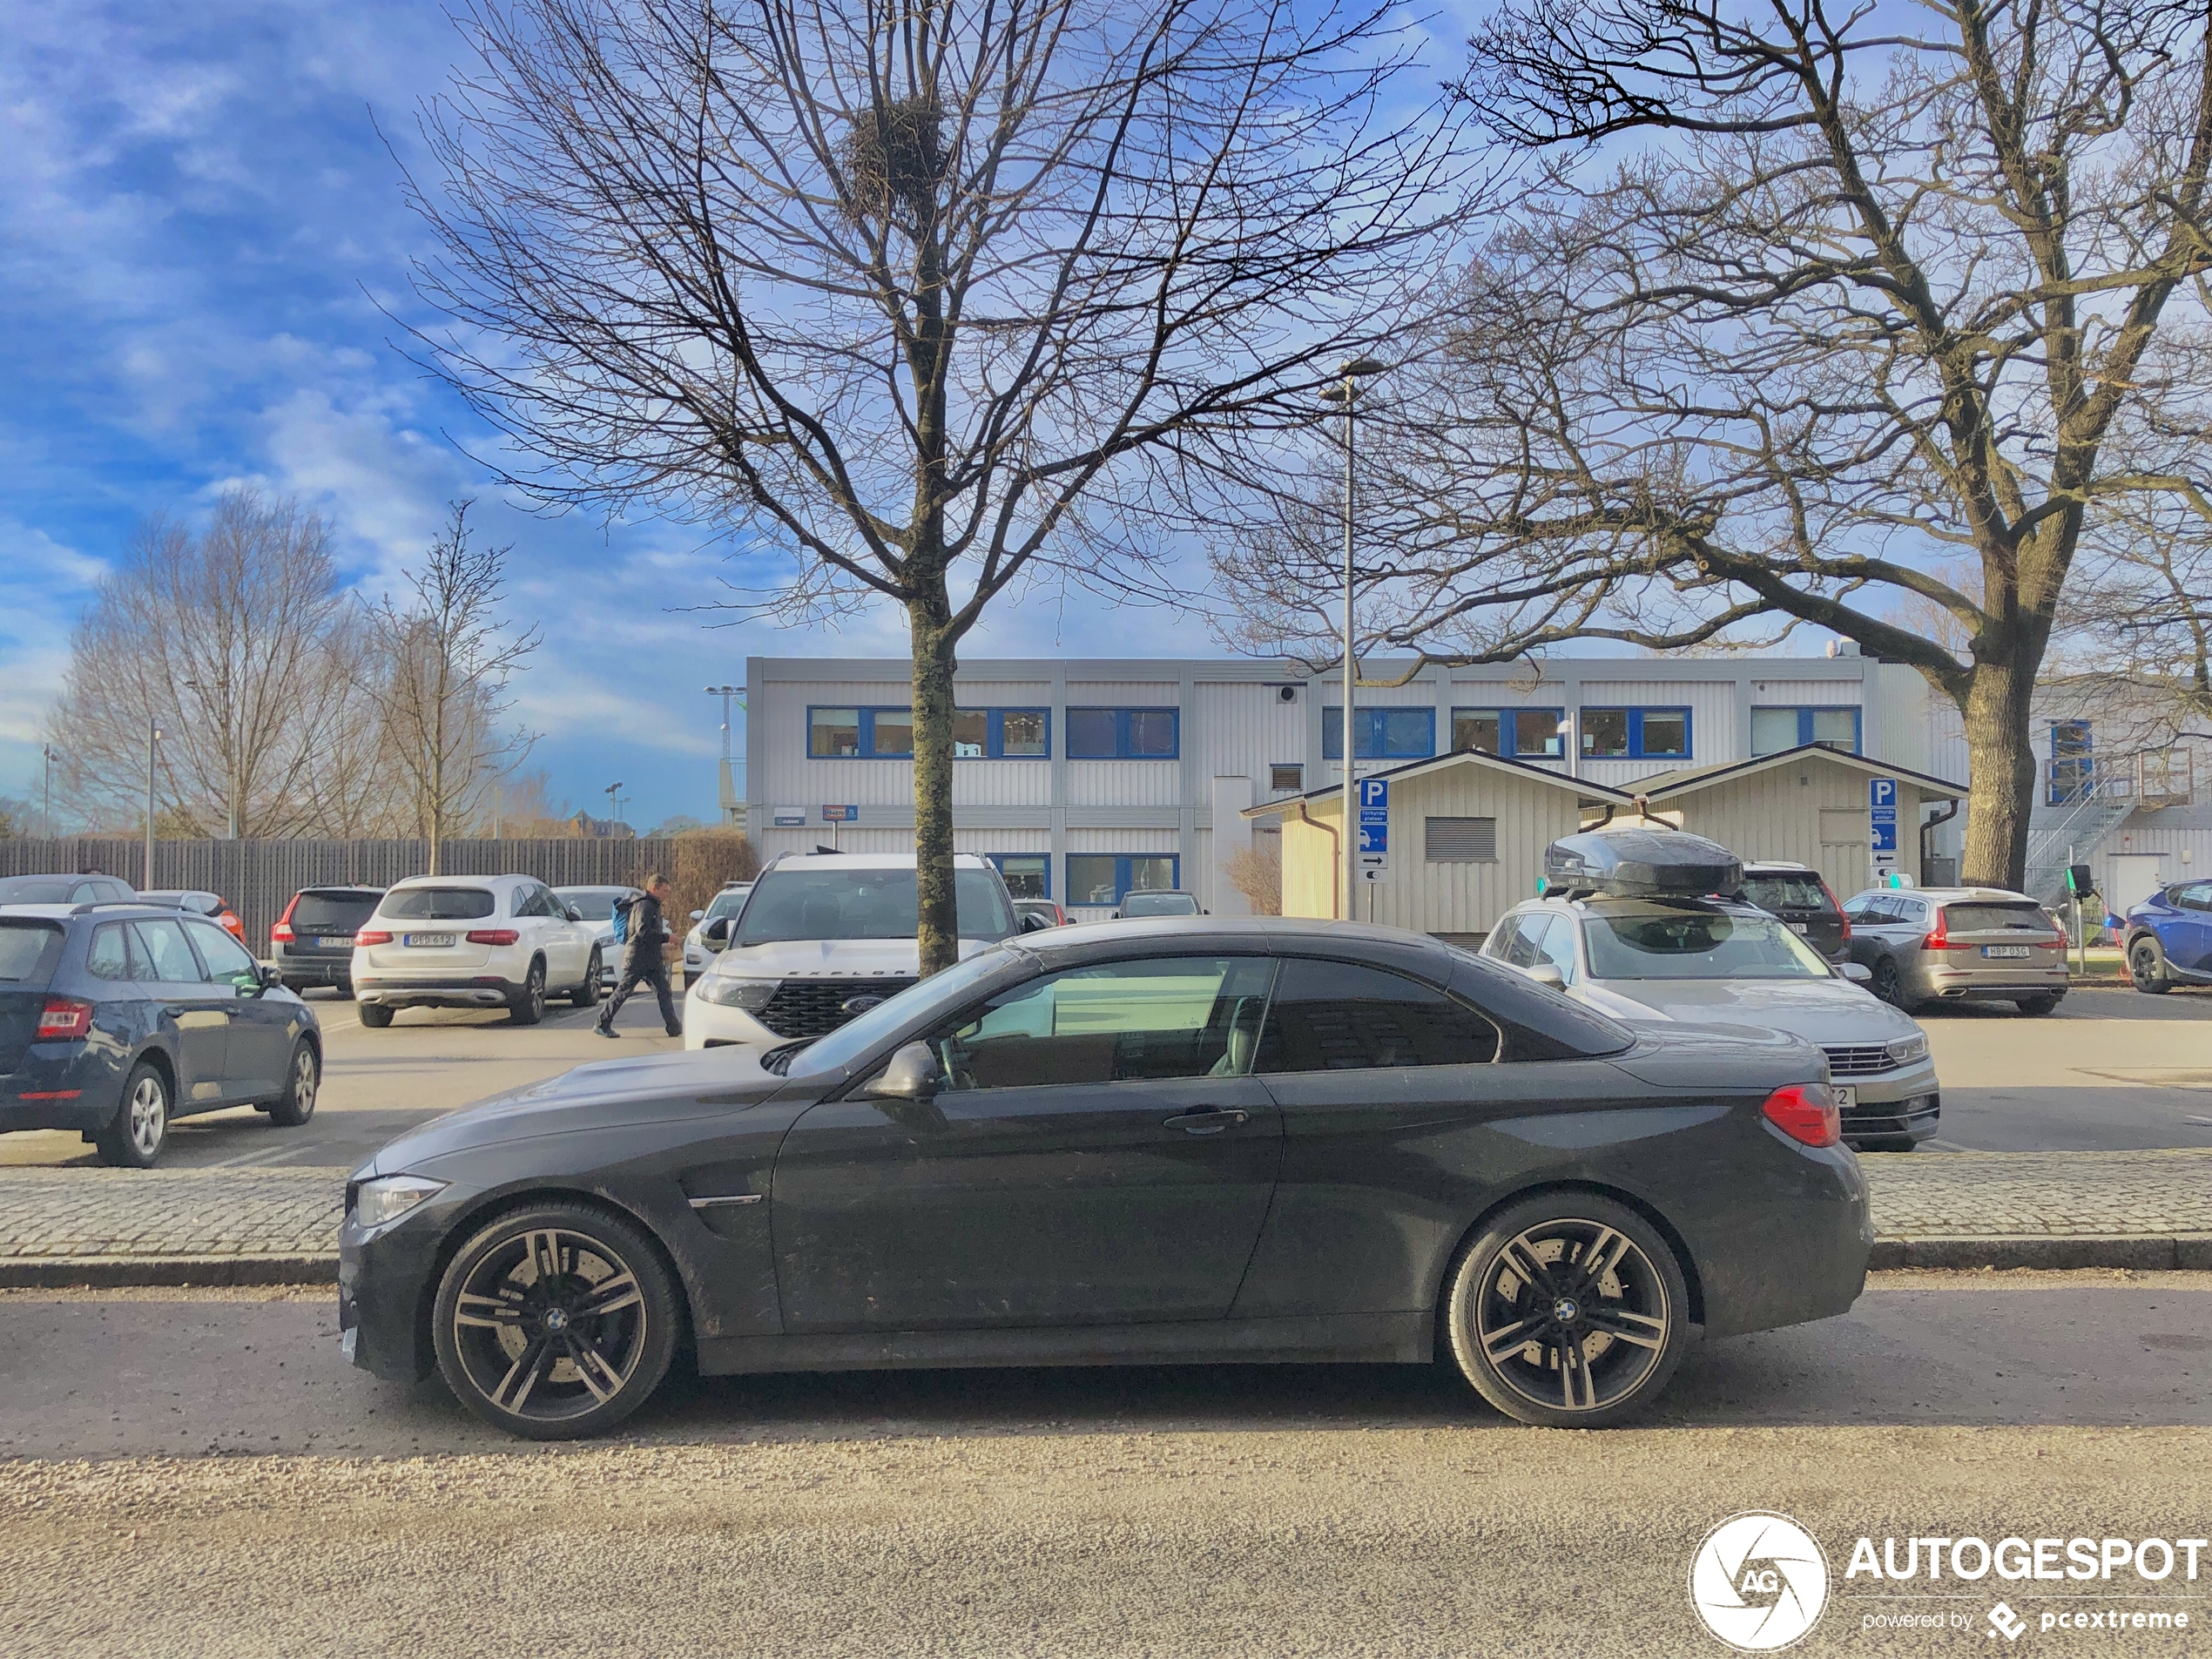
824,937
445,941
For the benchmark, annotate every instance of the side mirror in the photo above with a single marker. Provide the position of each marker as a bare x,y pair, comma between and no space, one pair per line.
717,933
912,1074
1033,923
1857,972
575,914
699,915
1546,973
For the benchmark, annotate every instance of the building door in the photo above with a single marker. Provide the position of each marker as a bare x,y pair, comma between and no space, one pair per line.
2131,878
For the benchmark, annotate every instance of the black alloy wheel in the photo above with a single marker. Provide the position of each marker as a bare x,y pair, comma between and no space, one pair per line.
1568,1312
1889,984
140,1128
586,994
529,1007
2147,967
555,1322
302,1082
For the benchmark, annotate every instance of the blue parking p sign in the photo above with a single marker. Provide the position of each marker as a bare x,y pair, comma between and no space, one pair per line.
1374,817
1882,791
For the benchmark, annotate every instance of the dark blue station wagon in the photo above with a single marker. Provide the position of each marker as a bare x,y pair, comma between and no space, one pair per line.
116,1018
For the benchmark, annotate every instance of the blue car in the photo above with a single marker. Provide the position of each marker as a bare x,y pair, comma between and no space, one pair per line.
116,1018
2168,938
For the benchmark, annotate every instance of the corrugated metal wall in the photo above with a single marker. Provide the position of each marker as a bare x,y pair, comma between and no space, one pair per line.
1455,898
258,878
1808,813
1240,730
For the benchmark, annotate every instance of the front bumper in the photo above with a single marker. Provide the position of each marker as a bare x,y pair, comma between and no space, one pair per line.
63,1085
474,991
711,1025
385,1281
1899,1104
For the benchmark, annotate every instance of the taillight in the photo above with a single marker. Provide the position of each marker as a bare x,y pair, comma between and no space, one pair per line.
1939,936
1829,893
65,1019
365,937
494,936
281,934
1806,1112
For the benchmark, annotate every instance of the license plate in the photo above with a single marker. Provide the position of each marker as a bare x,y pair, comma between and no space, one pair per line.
1800,927
1846,1097
2006,953
426,941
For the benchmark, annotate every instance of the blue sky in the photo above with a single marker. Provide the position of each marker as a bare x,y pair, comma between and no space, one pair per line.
195,218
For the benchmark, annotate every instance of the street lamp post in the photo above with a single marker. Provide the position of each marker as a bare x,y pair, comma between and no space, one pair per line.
153,735
614,806
52,754
729,787
1351,372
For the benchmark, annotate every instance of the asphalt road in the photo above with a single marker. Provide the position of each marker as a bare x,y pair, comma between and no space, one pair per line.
199,1475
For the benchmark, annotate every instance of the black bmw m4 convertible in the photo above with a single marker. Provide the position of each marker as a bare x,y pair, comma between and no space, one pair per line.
1186,1140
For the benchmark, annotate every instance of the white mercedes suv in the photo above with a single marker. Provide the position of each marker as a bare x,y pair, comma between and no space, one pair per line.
473,941
825,936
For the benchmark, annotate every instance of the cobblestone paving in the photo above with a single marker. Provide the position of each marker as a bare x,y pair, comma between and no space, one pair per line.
66,1214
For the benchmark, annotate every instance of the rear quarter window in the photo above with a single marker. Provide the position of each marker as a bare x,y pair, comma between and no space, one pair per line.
28,952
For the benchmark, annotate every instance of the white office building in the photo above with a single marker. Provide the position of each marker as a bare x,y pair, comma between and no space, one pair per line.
1085,778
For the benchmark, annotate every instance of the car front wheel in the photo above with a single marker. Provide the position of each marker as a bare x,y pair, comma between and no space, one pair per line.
1567,1311
2146,967
555,1322
140,1128
1888,985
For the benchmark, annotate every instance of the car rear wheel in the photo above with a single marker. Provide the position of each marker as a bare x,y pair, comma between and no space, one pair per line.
529,1006
1567,1311
140,1128
2147,967
556,1322
375,1016
2038,1006
586,994
297,1104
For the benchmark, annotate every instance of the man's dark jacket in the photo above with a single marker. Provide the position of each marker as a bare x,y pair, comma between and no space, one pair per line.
647,932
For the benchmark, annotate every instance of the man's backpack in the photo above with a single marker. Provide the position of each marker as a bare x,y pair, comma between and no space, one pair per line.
621,921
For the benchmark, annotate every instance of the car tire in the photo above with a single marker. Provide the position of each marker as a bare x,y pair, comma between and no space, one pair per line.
374,1015
555,1288
140,1128
527,1008
2147,967
1599,1295
302,1082
1888,985
586,994
2038,1006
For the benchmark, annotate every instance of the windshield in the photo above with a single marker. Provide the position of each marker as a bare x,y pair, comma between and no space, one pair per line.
35,889
1159,904
593,904
1697,944
862,903
2026,917
1785,892
727,902
23,950
940,992
436,904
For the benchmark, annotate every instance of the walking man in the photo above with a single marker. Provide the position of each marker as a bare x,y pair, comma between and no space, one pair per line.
643,957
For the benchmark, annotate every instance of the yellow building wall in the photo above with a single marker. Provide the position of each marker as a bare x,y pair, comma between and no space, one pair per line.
1310,862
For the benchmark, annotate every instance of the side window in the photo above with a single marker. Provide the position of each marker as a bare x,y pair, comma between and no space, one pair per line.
168,957
1169,1017
2197,896
1520,944
109,956
1338,1016
226,959
1557,947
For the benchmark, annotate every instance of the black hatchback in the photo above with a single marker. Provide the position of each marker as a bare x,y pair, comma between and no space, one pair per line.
313,942
116,1018
1795,894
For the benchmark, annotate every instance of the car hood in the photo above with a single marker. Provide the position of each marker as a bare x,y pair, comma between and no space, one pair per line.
649,1090
830,958
1820,1010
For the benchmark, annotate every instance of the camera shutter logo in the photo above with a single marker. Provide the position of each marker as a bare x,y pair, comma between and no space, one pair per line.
1760,1581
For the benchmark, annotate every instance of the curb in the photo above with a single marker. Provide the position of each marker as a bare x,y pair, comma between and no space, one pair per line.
101,1272
2049,1250
2183,1251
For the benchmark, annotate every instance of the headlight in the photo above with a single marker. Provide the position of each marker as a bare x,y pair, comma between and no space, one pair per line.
1906,1051
730,992
390,1197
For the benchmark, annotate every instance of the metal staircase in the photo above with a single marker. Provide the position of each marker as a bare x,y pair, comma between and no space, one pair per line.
2088,815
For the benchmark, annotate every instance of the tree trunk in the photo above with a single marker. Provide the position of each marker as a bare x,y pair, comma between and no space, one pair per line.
2000,768
937,931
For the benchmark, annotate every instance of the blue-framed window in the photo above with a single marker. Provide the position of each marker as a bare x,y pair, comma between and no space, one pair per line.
1381,734
1636,734
887,733
2073,763
1028,875
1523,734
1109,878
1124,734
1783,727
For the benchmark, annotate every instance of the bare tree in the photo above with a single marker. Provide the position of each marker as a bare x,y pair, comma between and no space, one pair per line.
224,638
1871,300
927,297
1257,872
437,672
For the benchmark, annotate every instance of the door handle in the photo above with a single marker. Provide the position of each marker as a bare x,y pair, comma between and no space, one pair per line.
1208,1120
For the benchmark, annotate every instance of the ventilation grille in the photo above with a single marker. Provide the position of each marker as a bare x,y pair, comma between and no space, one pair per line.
1462,840
816,1008
1858,1062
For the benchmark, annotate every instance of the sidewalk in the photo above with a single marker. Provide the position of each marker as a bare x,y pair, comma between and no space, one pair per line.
1951,1210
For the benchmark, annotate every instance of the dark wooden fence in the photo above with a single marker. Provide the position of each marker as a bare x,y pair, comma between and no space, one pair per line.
258,878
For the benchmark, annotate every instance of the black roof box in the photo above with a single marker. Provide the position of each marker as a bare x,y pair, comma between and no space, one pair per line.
1641,864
